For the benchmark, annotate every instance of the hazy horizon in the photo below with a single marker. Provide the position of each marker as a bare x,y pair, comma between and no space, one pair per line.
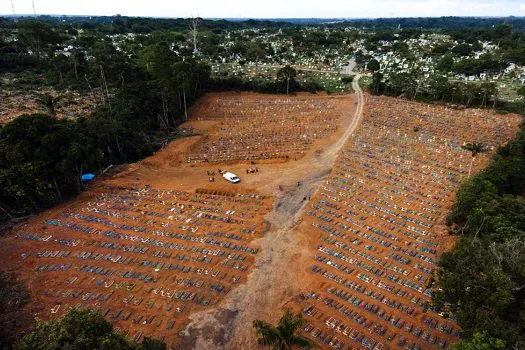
270,9
251,18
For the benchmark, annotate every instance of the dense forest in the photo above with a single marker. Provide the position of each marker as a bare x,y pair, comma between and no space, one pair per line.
145,98
442,23
82,329
146,25
483,279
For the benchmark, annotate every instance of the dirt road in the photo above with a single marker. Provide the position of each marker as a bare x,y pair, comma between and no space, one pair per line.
349,68
273,279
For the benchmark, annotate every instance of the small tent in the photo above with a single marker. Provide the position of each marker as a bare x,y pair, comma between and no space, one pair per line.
87,177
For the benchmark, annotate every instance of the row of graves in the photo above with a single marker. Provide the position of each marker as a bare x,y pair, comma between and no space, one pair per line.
374,233
145,258
259,127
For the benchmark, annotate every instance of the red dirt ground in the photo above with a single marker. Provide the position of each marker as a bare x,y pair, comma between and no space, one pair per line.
311,230
138,239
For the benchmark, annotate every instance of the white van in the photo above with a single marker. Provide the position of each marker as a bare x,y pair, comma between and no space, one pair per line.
231,177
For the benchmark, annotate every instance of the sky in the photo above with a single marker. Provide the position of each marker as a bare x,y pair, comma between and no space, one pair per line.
270,8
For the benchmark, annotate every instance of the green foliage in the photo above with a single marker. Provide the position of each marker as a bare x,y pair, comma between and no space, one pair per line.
373,65
42,158
377,86
13,318
441,49
434,88
503,180
475,148
475,66
39,36
482,280
287,74
50,103
81,330
473,281
463,49
255,51
282,336
480,342
157,59
445,64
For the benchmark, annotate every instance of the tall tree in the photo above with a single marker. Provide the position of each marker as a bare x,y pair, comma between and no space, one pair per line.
287,74
373,65
157,60
183,81
39,37
521,91
50,103
377,86
475,148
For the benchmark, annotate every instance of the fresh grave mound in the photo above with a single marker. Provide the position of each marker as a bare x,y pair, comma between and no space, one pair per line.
374,228
256,126
145,258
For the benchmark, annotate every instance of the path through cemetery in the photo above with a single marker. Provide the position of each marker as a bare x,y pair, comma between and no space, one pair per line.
270,283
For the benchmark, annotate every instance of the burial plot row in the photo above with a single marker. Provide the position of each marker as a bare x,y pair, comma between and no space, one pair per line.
374,221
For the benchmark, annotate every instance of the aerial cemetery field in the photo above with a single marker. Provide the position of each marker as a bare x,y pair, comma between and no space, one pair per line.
156,241
375,228
163,239
144,257
258,127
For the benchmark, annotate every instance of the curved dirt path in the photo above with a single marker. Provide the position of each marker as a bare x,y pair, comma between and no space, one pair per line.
270,283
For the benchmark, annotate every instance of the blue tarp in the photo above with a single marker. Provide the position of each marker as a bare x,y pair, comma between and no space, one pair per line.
88,177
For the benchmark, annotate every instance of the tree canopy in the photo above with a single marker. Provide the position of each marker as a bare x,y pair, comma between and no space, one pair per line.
373,65
81,330
42,158
282,336
482,280
287,74
480,342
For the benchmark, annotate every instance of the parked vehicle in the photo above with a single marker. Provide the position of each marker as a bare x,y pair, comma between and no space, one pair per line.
231,177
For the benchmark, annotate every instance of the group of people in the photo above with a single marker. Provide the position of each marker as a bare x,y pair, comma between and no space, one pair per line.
211,175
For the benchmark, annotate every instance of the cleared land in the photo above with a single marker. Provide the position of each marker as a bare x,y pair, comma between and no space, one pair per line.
157,242
375,229
145,258
357,259
258,127
70,105
352,239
